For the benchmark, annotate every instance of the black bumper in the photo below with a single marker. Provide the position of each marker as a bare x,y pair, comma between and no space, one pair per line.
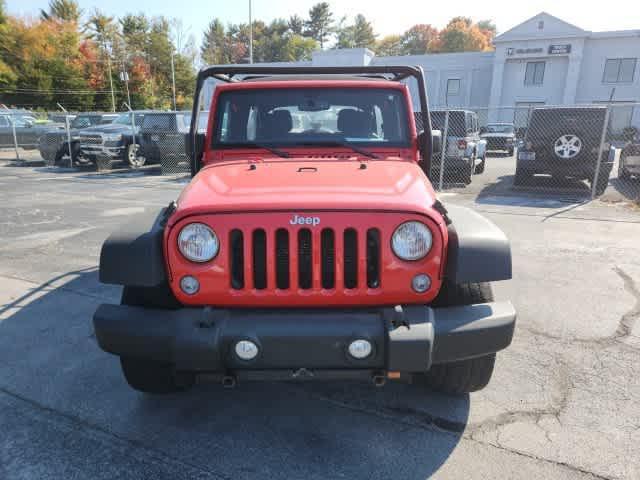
404,339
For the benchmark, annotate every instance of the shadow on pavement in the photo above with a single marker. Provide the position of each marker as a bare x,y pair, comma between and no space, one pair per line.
49,360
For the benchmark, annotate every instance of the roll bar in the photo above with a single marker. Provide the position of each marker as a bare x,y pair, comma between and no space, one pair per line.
390,72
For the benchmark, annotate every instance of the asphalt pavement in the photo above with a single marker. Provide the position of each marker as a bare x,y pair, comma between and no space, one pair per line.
563,402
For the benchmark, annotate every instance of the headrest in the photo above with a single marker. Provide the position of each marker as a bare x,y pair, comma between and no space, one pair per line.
353,123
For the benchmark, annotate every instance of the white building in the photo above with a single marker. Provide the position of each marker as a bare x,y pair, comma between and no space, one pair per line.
542,61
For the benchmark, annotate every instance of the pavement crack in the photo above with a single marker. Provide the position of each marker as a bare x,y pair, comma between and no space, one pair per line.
628,320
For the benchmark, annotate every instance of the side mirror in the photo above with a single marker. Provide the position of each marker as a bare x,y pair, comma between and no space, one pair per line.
483,130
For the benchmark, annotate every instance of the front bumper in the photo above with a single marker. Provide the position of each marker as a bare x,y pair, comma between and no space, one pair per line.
404,339
106,150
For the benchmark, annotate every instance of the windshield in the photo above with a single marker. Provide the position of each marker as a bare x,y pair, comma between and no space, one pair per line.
499,128
296,116
125,119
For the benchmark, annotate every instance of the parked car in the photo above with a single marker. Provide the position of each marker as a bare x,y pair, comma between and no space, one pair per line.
500,136
106,144
162,138
464,150
54,145
564,142
27,130
629,163
307,253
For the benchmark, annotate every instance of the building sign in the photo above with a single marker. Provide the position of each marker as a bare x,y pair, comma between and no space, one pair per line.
523,51
559,49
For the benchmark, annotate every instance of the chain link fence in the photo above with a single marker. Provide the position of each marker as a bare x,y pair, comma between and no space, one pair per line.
585,150
100,141
582,150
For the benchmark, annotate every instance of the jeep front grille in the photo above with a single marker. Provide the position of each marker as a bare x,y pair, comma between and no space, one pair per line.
313,255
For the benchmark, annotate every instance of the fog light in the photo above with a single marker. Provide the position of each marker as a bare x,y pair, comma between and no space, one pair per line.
246,350
421,283
189,285
360,349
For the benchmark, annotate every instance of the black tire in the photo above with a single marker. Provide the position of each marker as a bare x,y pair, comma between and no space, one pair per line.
510,152
522,177
466,174
481,165
150,376
623,174
133,159
603,181
464,376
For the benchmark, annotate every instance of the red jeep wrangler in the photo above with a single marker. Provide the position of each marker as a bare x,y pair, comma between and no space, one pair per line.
309,245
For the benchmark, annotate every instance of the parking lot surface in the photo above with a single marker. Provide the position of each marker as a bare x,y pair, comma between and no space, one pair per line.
563,402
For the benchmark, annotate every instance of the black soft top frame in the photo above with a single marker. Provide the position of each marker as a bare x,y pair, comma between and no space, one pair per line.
392,73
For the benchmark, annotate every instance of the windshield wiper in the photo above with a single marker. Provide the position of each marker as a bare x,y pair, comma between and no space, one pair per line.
359,150
273,150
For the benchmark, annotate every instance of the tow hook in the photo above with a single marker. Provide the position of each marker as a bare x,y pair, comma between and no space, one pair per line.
229,381
379,379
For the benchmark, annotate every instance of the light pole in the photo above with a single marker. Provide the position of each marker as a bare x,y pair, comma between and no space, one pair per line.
113,98
250,35
124,76
173,81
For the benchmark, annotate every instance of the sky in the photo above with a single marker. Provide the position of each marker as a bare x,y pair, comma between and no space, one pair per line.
387,16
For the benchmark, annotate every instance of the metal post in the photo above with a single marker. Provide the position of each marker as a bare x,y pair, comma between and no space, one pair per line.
443,155
250,35
173,81
113,98
133,130
603,137
15,136
125,77
66,121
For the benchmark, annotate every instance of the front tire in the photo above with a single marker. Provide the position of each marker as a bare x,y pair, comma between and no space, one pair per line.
481,165
135,160
463,376
150,376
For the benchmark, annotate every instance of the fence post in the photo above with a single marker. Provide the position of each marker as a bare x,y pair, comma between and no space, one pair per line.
443,154
15,136
603,137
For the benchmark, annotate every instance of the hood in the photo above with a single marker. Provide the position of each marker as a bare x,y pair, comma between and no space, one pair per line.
109,128
307,185
498,135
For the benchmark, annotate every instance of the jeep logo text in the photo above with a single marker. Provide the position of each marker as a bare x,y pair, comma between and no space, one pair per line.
298,220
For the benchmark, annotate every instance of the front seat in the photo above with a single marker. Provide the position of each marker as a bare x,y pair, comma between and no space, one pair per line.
281,124
354,123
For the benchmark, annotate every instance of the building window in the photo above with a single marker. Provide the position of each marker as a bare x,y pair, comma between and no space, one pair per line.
453,86
541,25
534,74
619,70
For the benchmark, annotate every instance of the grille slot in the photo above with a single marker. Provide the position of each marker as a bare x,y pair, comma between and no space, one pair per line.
282,259
301,258
236,252
350,258
373,258
305,267
259,259
328,258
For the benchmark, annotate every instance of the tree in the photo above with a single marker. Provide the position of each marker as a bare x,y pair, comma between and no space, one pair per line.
214,49
63,10
296,24
389,46
418,39
319,26
358,35
462,35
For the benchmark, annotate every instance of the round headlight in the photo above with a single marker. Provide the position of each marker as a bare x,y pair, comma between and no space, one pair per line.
411,241
198,243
